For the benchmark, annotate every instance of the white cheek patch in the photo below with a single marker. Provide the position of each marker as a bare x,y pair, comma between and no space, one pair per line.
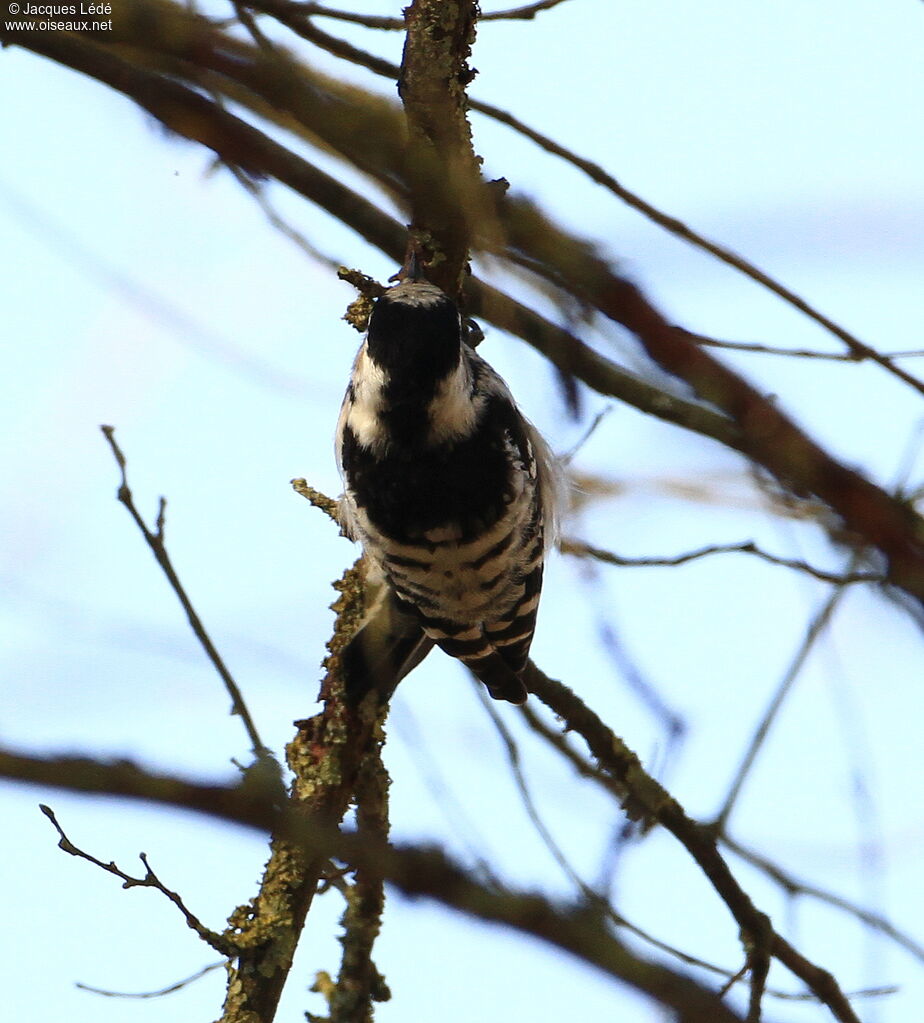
362,415
454,412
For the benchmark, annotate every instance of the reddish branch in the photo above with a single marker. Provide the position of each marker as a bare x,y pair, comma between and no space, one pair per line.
757,426
774,440
332,745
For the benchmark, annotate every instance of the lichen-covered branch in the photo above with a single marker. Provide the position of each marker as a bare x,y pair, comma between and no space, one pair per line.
448,203
645,799
325,757
579,930
359,984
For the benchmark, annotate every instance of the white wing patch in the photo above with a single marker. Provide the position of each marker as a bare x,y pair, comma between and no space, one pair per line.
362,413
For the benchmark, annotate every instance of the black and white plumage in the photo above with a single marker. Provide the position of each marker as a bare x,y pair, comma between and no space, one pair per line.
447,486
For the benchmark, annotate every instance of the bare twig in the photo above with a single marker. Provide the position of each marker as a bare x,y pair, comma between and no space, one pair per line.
258,193
642,687
796,353
792,886
525,13
645,798
814,630
479,853
559,741
307,9
591,897
155,541
150,880
773,439
858,350
512,753
169,990
583,550
186,330
413,870
596,173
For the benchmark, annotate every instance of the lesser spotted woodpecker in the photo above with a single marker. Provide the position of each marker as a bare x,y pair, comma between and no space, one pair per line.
448,487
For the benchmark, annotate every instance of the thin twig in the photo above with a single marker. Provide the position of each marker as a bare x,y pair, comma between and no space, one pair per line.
671,720
308,9
412,869
792,886
155,541
591,897
150,880
257,191
203,341
858,349
526,13
815,629
403,722
646,798
586,769
584,550
676,227
798,353
512,753
178,986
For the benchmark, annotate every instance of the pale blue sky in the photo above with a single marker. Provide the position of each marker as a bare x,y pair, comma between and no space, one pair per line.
137,290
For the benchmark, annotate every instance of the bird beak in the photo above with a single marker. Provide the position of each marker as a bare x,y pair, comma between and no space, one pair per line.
412,270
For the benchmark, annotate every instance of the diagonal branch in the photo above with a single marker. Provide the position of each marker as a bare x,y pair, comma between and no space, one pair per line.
160,993
150,880
326,757
771,438
645,798
792,886
579,549
756,425
858,350
525,13
815,629
414,870
155,541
